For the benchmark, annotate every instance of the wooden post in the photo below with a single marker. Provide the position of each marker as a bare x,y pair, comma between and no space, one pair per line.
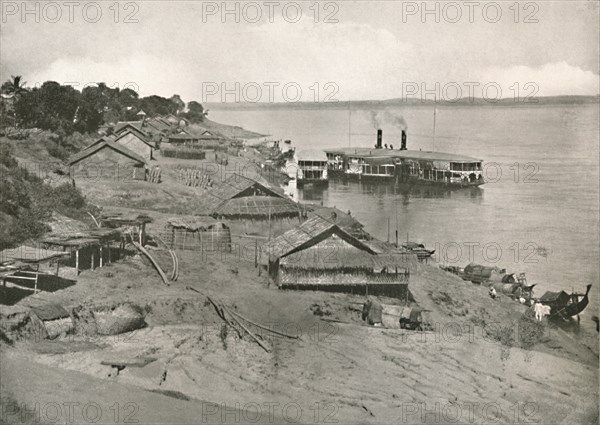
37,274
77,262
108,248
388,238
93,259
57,266
101,255
255,253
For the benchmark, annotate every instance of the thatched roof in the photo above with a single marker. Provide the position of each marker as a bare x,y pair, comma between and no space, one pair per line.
120,218
135,126
136,134
342,219
310,233
105,144
30,254
194,223
100,140
257,206
238,186
336,254
156,125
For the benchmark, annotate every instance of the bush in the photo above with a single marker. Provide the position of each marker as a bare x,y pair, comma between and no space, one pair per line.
26,202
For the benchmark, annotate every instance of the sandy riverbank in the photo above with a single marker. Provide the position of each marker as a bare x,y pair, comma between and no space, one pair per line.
345,372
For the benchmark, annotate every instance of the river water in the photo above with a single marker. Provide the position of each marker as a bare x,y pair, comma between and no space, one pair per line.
538,213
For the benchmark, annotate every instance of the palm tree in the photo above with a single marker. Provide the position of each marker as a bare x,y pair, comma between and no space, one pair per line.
14,86
13,89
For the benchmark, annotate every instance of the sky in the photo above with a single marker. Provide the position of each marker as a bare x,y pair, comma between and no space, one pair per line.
304,50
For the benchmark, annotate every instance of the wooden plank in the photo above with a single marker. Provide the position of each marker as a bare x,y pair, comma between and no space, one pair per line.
128,362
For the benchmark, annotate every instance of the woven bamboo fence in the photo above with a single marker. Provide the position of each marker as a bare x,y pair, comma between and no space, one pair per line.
213,238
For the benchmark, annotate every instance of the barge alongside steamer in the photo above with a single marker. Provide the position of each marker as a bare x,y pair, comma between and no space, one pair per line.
405,166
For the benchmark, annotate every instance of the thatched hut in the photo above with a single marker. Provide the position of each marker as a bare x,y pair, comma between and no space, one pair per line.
319,255
203,234
252,205
344,220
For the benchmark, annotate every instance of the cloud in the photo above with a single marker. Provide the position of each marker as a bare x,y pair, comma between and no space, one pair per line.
551,79
172,51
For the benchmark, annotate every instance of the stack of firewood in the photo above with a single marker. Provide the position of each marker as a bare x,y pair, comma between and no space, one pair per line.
195,178
154,175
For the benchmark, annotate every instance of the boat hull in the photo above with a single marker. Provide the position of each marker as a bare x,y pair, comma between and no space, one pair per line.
310,182
398,180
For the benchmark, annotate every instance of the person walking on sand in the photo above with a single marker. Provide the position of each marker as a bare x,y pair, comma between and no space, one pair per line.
493,293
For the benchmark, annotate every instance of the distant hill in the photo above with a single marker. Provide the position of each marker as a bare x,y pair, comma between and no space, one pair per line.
375,104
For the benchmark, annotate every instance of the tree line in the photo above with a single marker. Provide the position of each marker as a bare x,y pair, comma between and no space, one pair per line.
64,109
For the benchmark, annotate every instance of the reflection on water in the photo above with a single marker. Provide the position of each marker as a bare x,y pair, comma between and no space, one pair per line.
544,224
370,190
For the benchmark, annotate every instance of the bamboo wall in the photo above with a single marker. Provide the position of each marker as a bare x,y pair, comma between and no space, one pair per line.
384,284
215,239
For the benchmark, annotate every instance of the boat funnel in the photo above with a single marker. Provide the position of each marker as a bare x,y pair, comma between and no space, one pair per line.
379,138
403,146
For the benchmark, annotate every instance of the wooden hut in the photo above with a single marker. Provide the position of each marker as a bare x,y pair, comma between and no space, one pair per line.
344,220
135,143
252,206
319,255
134,126
203,234
107,160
